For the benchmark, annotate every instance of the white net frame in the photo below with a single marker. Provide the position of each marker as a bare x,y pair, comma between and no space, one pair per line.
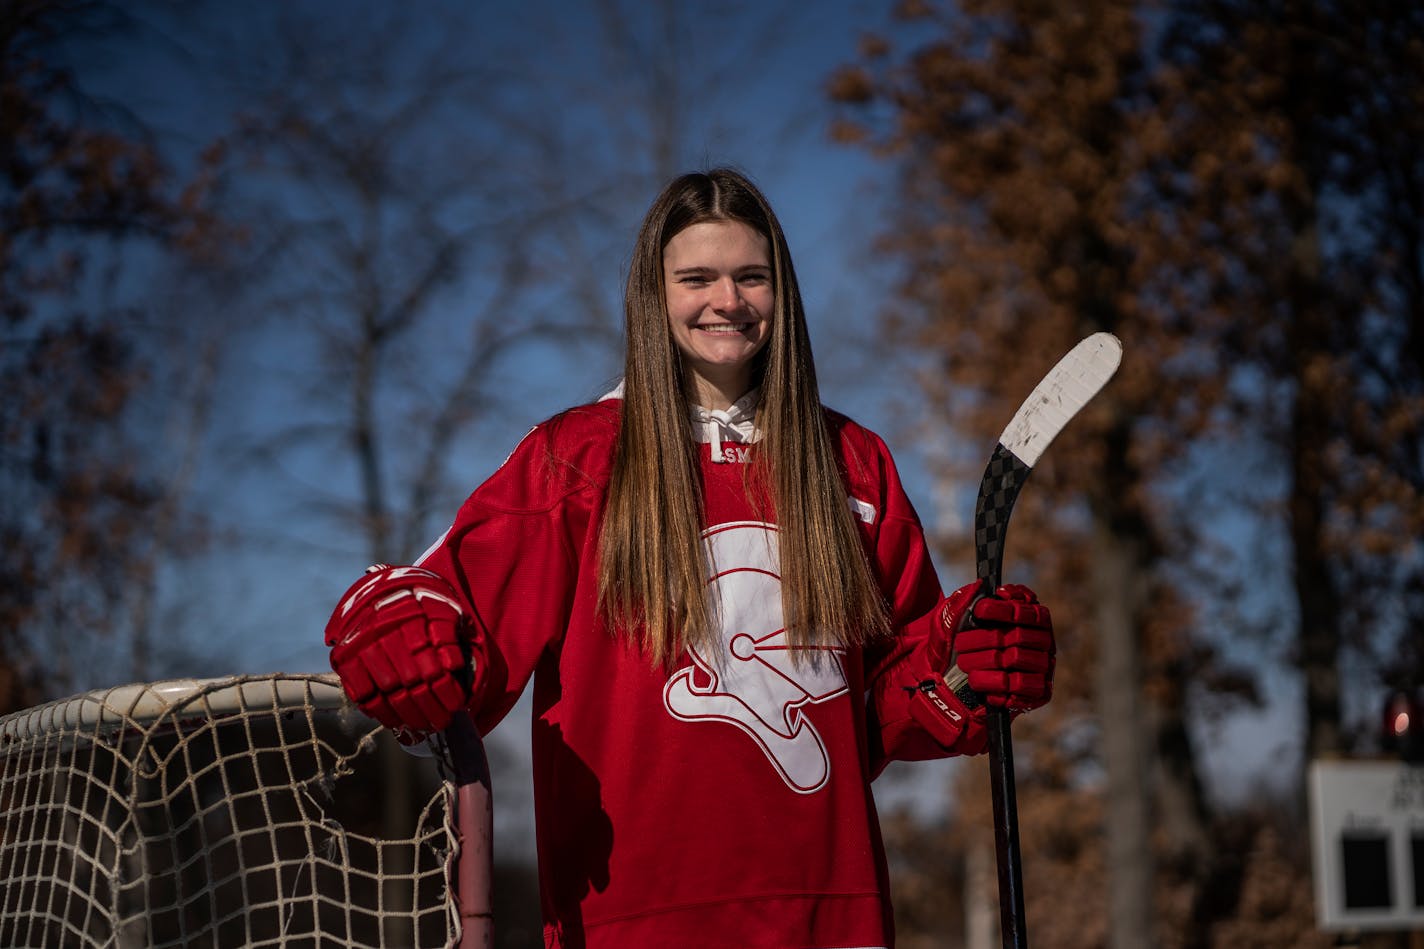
210,813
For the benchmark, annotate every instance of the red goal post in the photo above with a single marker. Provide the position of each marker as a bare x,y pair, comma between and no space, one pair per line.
242,811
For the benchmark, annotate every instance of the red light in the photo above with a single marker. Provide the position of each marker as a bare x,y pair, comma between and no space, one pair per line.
1401,725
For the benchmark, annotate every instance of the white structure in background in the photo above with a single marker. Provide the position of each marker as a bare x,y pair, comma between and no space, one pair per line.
1367,840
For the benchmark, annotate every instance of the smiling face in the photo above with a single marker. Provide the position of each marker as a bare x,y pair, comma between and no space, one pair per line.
720,300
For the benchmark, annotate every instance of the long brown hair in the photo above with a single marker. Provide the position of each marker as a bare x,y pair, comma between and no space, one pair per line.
653,576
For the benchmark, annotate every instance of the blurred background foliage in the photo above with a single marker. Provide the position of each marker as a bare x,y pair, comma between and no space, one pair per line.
277,289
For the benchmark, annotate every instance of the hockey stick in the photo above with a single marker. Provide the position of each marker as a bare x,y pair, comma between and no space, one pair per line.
464,754
1069,386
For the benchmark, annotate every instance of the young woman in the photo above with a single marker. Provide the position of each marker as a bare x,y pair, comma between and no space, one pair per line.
728,610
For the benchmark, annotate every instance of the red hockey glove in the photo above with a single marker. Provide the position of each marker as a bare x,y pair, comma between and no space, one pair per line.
399,642
1003,642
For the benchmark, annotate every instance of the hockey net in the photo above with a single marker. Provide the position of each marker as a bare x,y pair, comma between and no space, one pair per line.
245,811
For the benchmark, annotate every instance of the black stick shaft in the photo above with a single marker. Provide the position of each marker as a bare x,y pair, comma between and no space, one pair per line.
998,490
1006,832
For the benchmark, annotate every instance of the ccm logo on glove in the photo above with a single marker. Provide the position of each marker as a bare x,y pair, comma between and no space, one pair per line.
1003,641
399,643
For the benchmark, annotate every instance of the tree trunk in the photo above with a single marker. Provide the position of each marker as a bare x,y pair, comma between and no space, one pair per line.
1318,602
981,901
1119,589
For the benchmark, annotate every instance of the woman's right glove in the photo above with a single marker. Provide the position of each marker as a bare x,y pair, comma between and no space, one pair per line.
1002,641
400,643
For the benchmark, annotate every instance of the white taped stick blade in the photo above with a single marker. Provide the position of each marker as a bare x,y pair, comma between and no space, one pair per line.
1068,387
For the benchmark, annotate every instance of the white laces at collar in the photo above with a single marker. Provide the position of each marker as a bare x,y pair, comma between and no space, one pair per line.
736,423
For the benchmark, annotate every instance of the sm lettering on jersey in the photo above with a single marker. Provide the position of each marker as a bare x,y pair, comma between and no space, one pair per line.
750,679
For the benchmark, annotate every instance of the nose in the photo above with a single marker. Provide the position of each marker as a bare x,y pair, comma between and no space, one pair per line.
728,296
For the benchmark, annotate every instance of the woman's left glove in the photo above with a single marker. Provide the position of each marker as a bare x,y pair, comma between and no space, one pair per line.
1003,641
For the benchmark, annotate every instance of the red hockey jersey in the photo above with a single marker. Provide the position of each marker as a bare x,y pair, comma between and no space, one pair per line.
726,803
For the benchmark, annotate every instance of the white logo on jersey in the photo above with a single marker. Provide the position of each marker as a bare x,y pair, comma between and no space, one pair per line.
753,683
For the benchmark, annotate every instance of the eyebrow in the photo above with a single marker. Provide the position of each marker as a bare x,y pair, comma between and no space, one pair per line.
765,268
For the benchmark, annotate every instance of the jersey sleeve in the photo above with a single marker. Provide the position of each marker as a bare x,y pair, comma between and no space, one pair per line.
512,553
911,714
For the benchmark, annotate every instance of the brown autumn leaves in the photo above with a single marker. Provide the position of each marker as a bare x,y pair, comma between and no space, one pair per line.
1234,190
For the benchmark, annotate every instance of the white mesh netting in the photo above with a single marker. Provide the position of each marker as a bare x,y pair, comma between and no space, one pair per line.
249,811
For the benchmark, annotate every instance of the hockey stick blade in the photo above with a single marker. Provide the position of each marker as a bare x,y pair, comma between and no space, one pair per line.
1061,394
1058,397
